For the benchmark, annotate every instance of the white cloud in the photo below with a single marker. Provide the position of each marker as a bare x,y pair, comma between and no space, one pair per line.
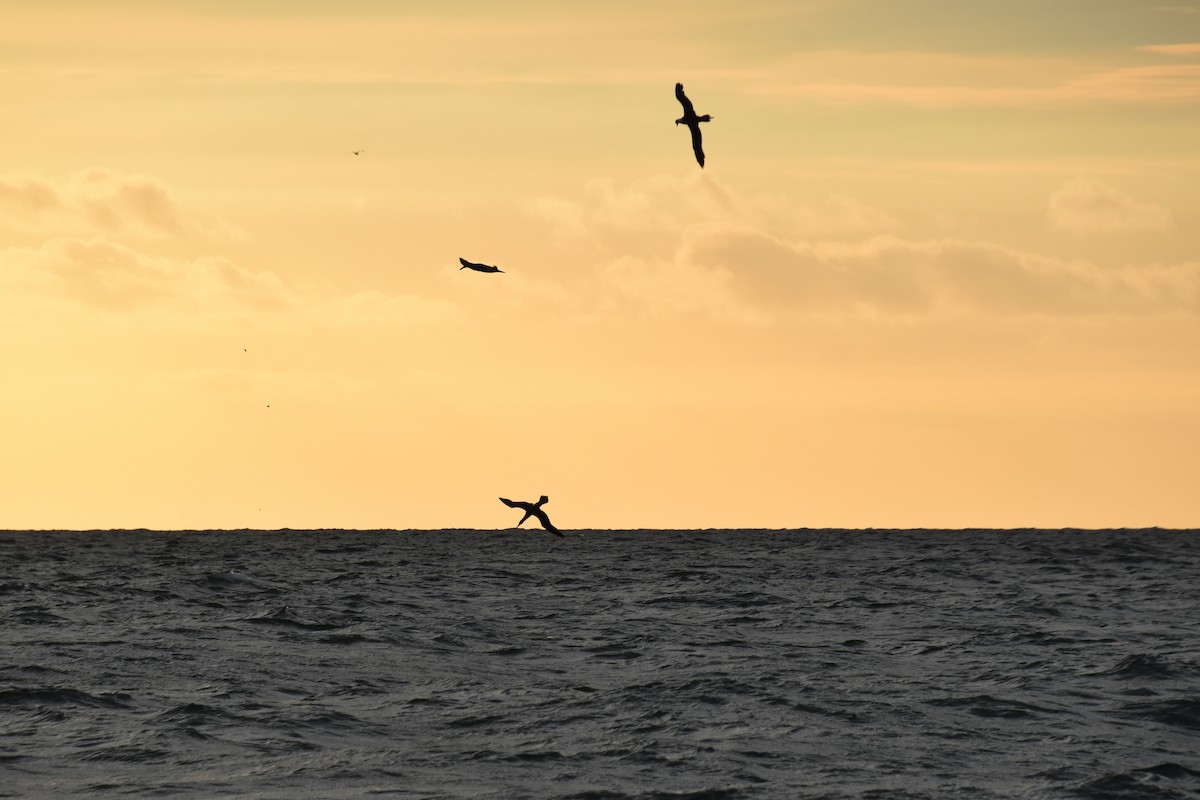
891,276
26,199
663,206
1180,49
109,276
1092,207
919,79
668,247
656,288
748,277
99,201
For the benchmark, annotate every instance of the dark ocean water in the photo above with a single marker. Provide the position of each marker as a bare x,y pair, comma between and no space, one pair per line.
607,665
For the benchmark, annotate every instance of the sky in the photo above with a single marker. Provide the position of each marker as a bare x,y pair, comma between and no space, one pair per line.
941,268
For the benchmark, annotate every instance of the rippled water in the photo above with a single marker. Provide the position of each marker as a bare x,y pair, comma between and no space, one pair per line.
715,664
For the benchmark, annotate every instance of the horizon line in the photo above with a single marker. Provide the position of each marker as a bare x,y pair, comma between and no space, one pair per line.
534,531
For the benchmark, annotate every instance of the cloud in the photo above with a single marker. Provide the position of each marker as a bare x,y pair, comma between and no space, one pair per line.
100,201
918,79
1182,49
125,202
693,247
663,206
656,288
109,276
749,277
27,199
1154,84
1091,207
896,277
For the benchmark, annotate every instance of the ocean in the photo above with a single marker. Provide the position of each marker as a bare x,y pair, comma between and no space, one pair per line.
710,665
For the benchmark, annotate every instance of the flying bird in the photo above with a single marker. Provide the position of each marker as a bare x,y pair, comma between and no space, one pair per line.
690,119
478,267
356,152
533,510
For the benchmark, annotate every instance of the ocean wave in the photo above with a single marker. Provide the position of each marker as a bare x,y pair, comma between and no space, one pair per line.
349,638
284,617
1139,665
194,714
36,615
695,794
1167,781
235,580
1179,713
722,601
61,695
984,705
132,754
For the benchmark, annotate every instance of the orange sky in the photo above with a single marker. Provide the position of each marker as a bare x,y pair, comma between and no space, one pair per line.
942,267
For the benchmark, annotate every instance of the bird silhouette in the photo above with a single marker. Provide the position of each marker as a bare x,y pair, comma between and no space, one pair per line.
533,510
478,267
356,152
690,119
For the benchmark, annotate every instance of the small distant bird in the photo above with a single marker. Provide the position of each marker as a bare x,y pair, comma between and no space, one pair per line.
356,152
478,267
533,510
690,119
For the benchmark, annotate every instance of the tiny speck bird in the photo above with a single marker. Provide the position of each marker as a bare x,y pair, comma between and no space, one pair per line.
690,119
356,152
477,267
533,510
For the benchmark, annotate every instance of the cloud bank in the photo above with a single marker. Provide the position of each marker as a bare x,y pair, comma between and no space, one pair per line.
99,201
892,276
1092,207
108,276
697,247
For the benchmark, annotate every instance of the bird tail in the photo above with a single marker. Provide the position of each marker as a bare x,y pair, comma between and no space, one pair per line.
705,118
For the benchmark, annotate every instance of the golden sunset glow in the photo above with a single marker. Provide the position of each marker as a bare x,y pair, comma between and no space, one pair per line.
941,268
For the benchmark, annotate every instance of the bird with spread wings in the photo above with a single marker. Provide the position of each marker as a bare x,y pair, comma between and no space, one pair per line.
533,510
690,119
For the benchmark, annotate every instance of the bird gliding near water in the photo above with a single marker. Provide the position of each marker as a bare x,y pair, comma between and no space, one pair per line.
533,510
478,267
690,119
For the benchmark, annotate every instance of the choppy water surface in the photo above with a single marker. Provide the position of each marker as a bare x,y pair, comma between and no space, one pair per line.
717,664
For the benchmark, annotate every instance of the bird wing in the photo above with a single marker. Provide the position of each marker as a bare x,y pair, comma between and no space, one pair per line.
696,146
509,503
546,523
682,98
